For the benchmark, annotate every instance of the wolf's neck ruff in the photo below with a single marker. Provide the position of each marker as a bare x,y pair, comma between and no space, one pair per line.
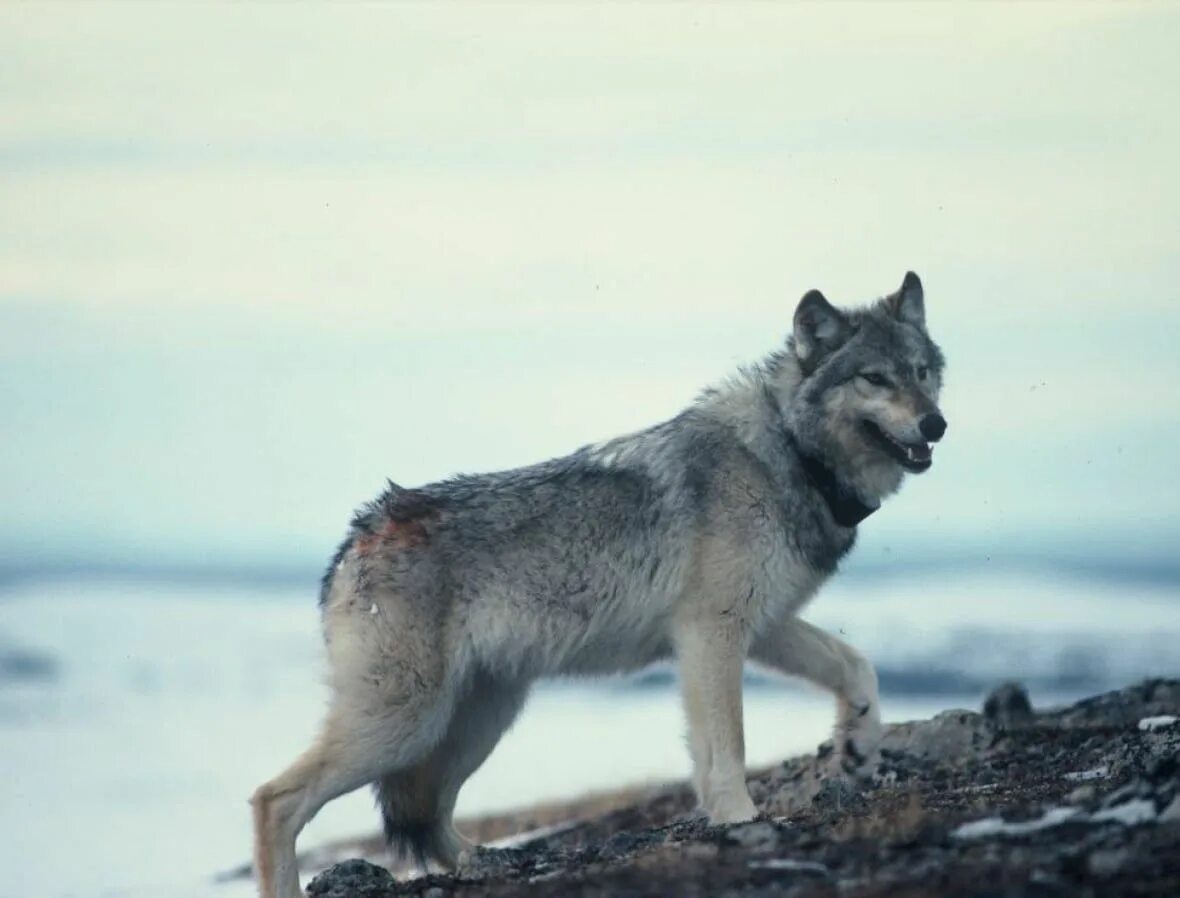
846,507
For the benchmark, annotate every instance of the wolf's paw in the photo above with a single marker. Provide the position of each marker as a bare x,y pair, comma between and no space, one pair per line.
736,807
857,740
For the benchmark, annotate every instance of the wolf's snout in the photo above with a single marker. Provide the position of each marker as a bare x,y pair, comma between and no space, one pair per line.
933,427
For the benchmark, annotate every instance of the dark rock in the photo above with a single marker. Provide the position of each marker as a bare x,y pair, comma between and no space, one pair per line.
1163,769
1008,706
490,862
1078,802
950,737
838,794
353,879
1107,862
757,837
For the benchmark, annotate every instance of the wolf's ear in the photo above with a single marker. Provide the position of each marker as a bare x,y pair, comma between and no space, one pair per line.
908,303
820,328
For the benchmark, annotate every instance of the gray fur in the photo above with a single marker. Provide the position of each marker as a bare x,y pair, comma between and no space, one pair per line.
699,538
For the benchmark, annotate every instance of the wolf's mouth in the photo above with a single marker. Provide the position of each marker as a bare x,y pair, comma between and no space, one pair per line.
915,457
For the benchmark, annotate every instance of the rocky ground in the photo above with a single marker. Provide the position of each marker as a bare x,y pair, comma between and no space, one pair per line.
1078,801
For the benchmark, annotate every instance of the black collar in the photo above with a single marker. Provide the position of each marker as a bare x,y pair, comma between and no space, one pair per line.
846,507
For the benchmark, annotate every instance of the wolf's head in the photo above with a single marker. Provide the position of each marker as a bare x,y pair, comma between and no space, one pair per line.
867,399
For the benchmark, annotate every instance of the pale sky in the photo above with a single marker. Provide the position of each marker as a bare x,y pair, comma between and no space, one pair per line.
254,259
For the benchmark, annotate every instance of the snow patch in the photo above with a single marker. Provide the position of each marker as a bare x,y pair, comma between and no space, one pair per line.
996,826
784,863
1131,813
1083,776
1151,724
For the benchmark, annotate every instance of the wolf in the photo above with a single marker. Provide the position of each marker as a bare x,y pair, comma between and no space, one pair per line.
698,539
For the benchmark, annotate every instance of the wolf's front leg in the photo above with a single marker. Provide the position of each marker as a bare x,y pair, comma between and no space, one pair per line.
796,647
710,658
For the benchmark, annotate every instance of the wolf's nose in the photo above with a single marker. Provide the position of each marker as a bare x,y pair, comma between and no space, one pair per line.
933,427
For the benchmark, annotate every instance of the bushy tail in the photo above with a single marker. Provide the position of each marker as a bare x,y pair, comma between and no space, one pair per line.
416,827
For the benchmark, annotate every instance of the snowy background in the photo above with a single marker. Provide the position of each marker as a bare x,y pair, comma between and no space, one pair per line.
255,260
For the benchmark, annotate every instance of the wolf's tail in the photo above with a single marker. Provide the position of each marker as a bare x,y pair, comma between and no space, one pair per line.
416,827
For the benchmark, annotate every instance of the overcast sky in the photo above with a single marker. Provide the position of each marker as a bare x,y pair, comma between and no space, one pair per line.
254,259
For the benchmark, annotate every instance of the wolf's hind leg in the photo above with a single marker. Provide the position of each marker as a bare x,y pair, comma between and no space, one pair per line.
710,659
796,647
418,804
357,745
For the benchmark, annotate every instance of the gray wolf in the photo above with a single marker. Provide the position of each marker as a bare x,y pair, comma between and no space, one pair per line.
698,539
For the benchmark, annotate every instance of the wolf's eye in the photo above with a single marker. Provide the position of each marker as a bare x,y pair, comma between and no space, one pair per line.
877,380
922,372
